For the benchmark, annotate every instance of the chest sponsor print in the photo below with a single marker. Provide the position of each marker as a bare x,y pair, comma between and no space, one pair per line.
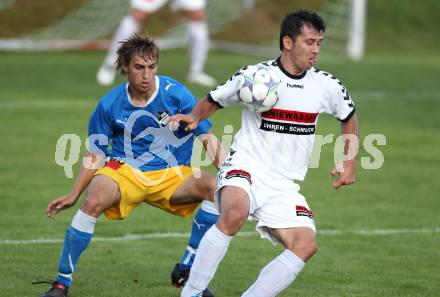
289,121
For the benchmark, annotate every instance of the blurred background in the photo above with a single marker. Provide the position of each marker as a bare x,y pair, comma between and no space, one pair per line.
386,25
380,237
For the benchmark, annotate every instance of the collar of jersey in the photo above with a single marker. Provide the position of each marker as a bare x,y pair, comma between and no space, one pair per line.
287,73
151,99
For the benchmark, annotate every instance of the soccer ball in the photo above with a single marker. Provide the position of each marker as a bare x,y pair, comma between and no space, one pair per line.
259,88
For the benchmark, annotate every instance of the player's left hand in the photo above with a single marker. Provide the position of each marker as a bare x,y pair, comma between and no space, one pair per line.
345,173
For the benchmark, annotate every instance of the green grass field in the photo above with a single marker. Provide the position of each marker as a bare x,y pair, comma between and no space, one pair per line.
44,95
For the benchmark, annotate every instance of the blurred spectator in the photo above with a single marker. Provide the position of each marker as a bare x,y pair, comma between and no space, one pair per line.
198,43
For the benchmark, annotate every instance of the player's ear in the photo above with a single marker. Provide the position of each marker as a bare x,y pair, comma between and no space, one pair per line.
287,42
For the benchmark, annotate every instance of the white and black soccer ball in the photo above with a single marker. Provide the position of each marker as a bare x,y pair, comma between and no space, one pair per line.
259,89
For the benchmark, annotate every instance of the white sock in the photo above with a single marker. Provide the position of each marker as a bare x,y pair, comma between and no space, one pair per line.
209,206
276,276
127,27
198,45
83,222
211,251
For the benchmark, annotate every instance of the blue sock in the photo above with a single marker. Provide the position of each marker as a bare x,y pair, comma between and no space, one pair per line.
75,242
202,222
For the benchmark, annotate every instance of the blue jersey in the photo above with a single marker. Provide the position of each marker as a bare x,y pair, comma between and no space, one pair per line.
138,135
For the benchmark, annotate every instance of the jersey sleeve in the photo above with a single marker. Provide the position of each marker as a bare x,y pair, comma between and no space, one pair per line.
187,104
100,130
225,94
339,103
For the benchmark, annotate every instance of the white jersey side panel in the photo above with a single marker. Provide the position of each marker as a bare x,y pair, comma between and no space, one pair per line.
280,141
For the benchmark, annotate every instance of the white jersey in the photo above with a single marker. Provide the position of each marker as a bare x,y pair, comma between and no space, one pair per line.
280,141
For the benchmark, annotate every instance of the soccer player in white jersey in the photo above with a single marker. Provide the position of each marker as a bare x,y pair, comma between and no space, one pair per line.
146,161
198,38
268,154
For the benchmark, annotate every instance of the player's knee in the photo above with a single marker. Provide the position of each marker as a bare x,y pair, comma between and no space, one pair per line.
230,222
92,206
304,249
312,248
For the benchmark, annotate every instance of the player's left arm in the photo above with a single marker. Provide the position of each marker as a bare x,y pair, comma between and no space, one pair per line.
213,147
346,171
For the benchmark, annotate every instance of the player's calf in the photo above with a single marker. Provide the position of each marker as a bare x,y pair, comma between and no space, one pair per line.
206,216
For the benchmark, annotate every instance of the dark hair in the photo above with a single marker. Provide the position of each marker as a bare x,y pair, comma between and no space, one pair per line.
293,23
135,45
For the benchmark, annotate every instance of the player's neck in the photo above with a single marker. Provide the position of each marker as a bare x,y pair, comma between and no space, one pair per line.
287,64
139,98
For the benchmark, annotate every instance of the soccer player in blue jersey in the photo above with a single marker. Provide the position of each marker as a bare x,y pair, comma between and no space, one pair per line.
145,160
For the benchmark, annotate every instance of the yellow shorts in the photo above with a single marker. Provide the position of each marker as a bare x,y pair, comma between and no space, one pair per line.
153,187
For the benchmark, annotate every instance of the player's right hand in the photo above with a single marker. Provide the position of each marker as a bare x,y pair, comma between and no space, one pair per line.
187,119
59,204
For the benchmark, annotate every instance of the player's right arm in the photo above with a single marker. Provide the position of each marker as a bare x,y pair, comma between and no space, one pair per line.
202,110
85,176
99,134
